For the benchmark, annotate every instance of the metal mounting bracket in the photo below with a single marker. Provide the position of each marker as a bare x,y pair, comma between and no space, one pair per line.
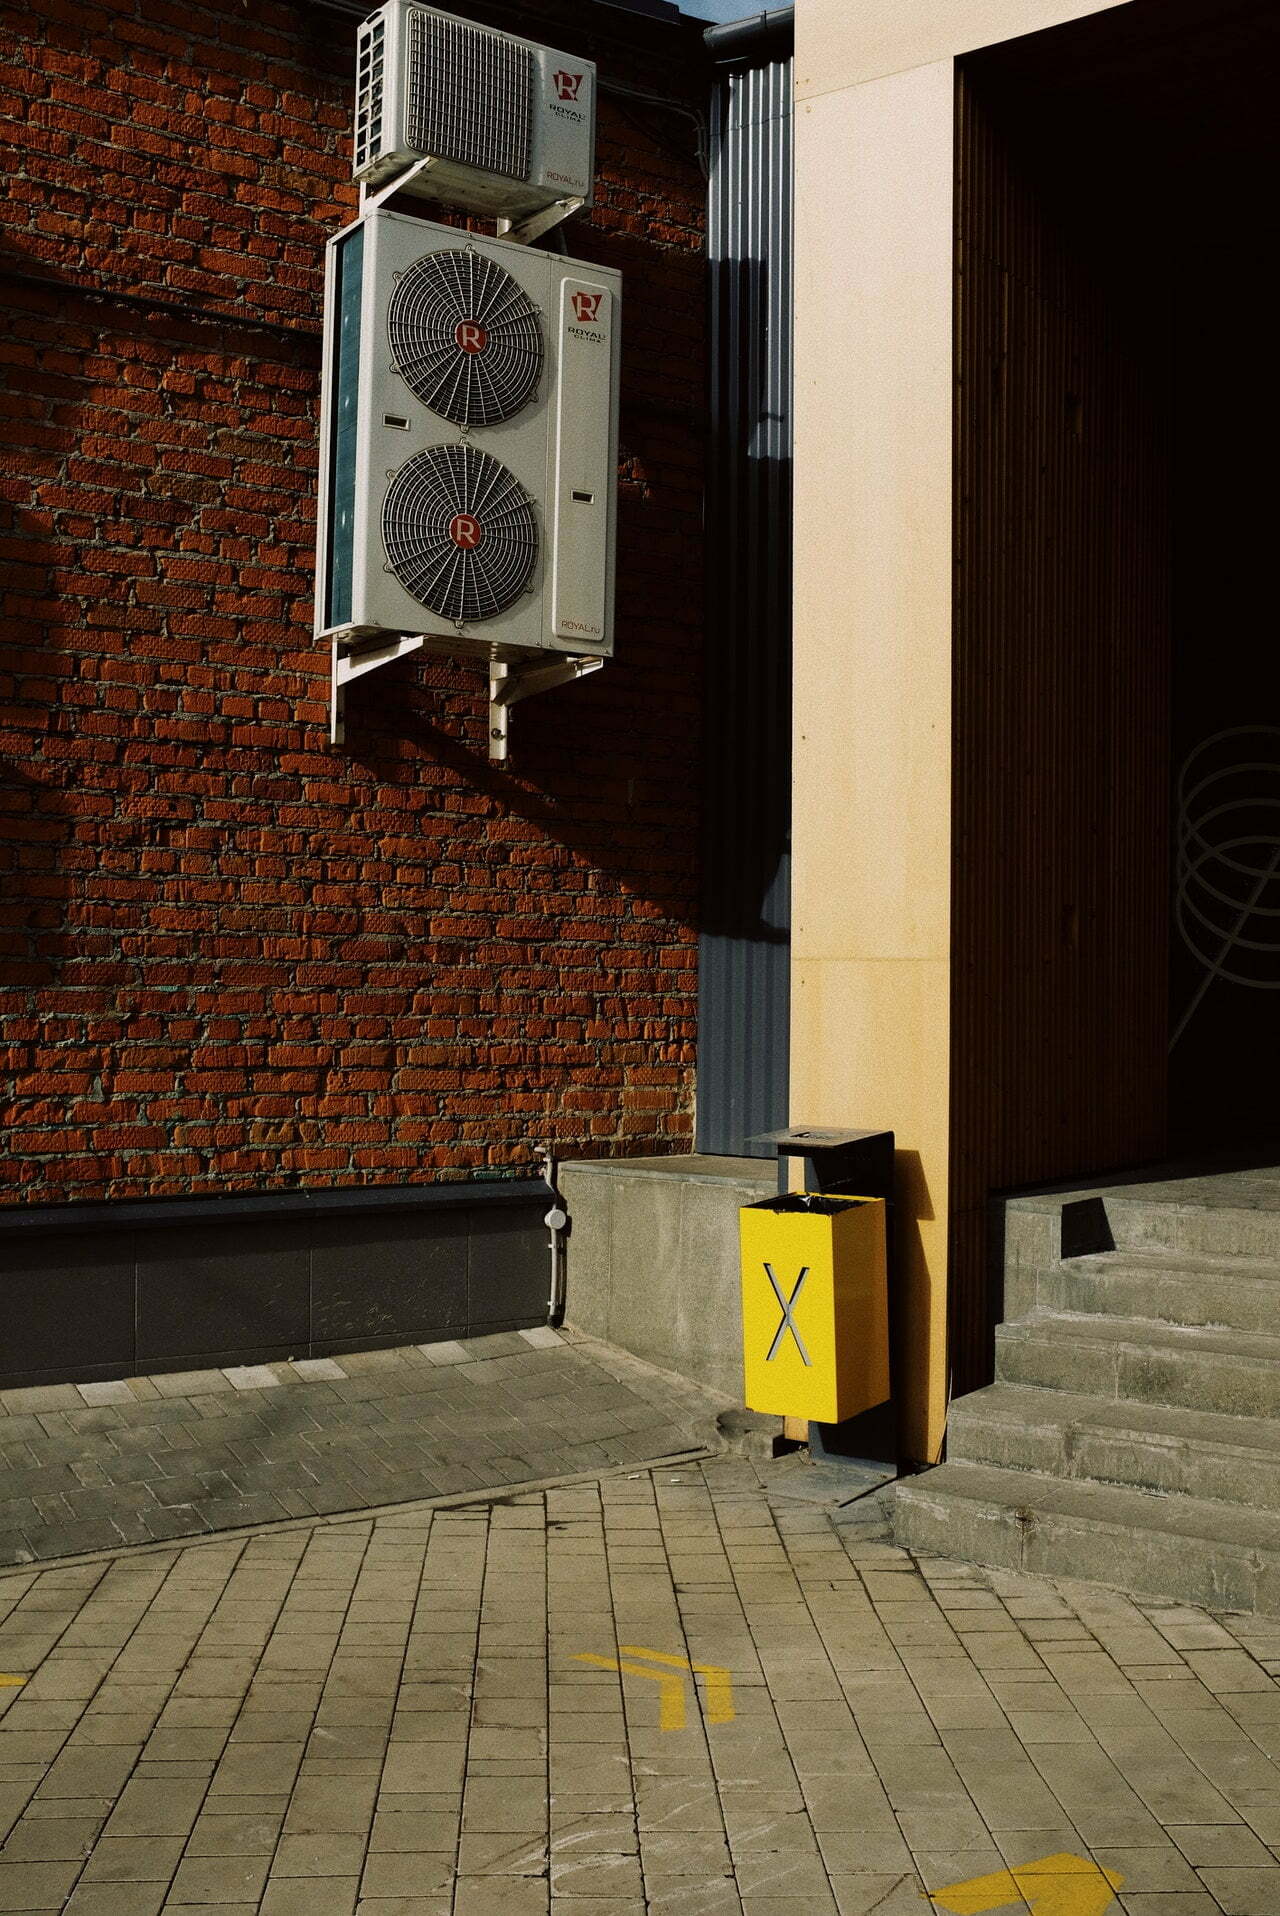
353,664
509,683
525,231
372,197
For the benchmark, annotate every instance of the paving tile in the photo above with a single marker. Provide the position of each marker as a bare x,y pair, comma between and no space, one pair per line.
219,1879
1244,1892
317,1370
50,1839
27,1886
117,1899
297,1896
133,1859
501,1896
395,1874
502,1855
405,1906
414,1830
1170,1902
896,1893
597,1906
114,1392
251,1377
597,1875
1228,1845
692,1896
153,1808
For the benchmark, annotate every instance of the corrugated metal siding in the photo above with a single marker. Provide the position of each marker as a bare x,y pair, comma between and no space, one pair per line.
1061,694
745,942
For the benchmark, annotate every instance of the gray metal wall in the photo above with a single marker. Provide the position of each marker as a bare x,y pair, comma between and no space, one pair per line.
744,948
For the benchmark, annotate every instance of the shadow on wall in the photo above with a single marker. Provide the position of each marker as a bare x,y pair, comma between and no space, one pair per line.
186,854
747,759
115,643
609,768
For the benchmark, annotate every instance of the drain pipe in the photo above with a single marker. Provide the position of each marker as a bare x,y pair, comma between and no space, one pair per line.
762,36
556,1221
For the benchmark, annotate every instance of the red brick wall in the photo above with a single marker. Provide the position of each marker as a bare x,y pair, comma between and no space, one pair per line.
232,956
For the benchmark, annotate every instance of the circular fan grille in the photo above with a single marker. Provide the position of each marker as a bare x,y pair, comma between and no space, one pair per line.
466,338
460,532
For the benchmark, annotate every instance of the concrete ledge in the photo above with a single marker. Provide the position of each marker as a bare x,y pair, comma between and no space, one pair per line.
652,1261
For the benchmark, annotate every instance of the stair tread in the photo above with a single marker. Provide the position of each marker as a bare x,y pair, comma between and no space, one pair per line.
1144,1333
1029,1405
1102,1506
1256,1189
1157,1263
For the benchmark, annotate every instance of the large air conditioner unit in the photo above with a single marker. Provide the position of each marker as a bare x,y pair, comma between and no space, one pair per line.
495,124
469,444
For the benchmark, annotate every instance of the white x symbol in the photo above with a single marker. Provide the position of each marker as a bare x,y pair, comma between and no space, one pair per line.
787,1306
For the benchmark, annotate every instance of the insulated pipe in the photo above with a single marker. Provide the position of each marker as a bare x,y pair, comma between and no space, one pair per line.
759,36
555,1220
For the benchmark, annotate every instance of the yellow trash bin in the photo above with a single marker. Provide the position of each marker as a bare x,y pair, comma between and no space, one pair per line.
815,1306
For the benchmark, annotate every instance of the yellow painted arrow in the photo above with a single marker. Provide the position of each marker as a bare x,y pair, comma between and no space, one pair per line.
719,1684
1062,1885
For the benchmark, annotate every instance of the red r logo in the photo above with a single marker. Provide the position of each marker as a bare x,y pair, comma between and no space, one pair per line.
586,307
465,531
567,85
470,336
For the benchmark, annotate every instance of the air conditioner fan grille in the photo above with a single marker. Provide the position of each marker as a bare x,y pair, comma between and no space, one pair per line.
465,337
470,95
460,533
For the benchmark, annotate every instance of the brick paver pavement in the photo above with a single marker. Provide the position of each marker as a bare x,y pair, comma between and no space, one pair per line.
422,1715
91,1466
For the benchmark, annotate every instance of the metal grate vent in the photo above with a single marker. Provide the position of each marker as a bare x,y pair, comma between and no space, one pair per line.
460,533
470,96
371,54
466,338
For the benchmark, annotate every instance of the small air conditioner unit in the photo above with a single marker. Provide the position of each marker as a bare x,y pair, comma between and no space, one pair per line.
469,443
501,126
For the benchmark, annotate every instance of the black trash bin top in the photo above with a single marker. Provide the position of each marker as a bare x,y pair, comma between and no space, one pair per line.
815,1202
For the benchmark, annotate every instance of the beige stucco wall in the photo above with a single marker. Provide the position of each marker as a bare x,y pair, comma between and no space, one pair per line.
872,793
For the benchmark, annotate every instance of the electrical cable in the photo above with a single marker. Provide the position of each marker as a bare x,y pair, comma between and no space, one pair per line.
153,303
644,98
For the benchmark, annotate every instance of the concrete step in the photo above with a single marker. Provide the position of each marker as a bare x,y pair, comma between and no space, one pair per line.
1236,1373
1176,1547
1236,1215
1172,1287
1152,1447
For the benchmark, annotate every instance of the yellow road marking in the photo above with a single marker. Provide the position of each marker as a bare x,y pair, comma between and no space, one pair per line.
1062,1885
719,1683
11,1682
671,1714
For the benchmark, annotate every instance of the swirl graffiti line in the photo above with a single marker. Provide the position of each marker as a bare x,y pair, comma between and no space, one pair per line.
1227,903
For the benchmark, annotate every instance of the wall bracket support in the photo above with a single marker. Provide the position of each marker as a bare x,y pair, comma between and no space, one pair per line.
534,225
372,197
510,682
352,661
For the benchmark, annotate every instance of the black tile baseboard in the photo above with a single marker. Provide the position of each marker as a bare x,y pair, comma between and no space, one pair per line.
90,1292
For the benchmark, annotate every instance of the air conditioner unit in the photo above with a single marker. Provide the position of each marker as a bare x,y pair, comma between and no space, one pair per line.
502,126
469,443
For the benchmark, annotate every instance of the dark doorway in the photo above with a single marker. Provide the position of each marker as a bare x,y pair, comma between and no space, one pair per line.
1225,960
1115,415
